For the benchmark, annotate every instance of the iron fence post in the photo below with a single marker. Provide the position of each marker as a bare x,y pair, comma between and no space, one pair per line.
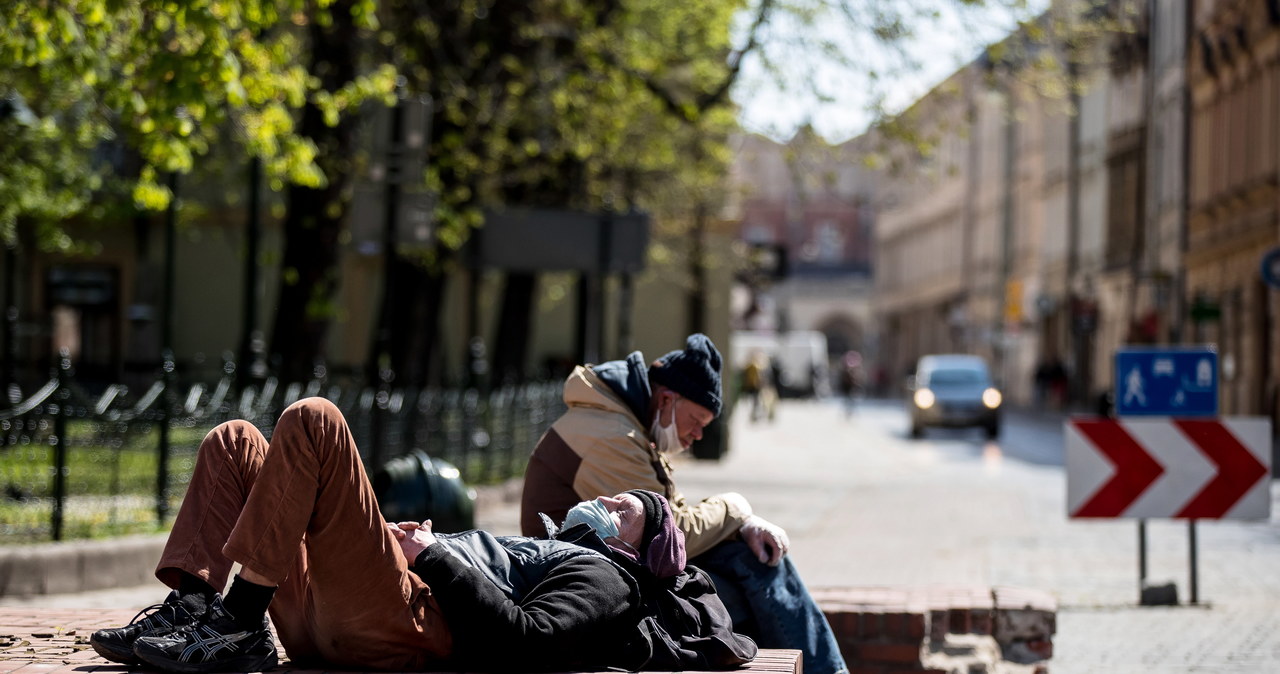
469,404
250,368
375,431
482,437
512,409
60,443
162,463
9,326
166,345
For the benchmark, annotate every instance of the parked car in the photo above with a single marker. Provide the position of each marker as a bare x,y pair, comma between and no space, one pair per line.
956,391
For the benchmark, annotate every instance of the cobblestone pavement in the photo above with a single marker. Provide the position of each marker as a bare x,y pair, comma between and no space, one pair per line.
866,506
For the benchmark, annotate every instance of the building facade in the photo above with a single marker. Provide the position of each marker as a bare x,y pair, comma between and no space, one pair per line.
803,215
992,244
1136,210
1048,221
1233,75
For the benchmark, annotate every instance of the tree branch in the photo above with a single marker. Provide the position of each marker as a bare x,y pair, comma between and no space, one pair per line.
710,98
735,59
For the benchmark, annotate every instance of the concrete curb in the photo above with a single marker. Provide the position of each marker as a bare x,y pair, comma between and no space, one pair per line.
78,566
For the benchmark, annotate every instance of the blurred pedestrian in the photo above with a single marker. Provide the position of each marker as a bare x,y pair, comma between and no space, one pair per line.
851,380
753,381
769,388
1050,383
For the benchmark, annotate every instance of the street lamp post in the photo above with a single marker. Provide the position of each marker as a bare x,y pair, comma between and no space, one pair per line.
166,346
378,370
8,383
250,364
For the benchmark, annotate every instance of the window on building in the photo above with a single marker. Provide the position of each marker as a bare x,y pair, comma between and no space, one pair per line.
83,306
830,241
757,233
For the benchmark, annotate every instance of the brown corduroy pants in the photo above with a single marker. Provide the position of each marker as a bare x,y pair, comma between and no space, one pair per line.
301,512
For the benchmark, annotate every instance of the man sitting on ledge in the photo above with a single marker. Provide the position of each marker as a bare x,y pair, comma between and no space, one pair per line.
346,589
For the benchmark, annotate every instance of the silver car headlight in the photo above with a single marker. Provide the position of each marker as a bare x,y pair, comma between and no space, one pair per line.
924,398
992,398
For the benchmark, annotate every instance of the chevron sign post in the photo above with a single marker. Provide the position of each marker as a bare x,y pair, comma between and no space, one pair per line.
1162,467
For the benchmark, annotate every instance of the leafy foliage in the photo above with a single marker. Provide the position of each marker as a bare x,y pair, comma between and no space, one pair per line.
578,103
103,91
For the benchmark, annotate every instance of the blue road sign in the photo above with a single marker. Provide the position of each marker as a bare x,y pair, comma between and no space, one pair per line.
1171,382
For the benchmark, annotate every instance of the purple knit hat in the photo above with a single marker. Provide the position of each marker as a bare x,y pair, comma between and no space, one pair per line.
662,547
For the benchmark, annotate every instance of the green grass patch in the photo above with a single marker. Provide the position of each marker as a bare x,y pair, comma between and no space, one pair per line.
111,479
31,520
98,464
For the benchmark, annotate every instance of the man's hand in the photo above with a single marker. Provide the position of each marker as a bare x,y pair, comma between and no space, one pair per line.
413,537
767,540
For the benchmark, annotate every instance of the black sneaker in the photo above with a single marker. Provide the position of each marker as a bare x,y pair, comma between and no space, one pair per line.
116,644
214,644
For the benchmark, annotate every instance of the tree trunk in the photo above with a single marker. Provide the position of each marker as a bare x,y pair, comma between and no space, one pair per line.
515,325
414,323
428,370
313,224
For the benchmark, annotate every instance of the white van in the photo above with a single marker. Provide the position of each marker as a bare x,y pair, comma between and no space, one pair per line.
799,356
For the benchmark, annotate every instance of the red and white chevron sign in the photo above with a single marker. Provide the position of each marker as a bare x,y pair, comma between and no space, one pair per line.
1166,467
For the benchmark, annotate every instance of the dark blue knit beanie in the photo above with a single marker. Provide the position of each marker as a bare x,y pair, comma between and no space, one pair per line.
693,372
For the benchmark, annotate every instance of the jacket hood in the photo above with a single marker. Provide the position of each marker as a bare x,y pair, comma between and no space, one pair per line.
629,379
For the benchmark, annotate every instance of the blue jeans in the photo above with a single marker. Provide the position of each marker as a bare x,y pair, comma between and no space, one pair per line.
771,605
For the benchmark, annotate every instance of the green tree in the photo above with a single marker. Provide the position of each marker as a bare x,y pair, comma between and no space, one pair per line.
159,79
582,104
339,58
103,98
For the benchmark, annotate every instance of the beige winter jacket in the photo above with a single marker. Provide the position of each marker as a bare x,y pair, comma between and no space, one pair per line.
599,448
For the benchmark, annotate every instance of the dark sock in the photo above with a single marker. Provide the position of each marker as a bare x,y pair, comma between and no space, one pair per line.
247,602
189,583
195,592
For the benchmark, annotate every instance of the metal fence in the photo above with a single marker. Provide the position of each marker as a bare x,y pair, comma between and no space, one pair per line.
76,465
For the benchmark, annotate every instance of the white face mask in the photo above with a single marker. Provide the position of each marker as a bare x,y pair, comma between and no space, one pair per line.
594,515
666,437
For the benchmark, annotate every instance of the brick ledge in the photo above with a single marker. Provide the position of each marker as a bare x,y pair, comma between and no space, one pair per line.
941,628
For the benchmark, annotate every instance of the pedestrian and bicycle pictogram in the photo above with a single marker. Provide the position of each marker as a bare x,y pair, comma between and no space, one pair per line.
1173,382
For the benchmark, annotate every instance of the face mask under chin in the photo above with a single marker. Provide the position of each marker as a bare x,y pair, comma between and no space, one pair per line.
666,437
